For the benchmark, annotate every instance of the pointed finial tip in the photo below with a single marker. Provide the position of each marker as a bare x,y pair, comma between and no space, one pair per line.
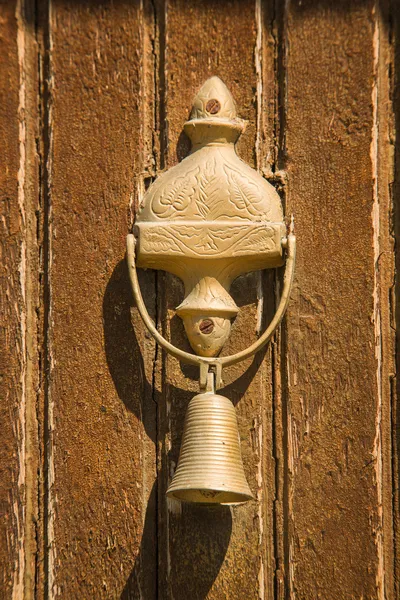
213,100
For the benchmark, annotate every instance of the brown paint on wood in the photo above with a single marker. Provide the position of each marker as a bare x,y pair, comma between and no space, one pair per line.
12,410
385,274
220,552
314,412
19,302
101,416
269,132
336,452
29,181
395,293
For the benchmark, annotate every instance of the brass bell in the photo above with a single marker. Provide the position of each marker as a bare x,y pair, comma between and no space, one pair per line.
210,467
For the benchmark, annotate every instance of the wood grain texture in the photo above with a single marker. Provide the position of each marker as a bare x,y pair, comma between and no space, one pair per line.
385,280
395,292
12,410
101,417
19,297
337,452
221,552
94,96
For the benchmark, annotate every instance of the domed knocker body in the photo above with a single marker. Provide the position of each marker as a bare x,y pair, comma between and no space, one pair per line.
208,220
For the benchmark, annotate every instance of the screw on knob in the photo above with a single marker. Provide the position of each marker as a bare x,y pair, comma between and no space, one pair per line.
206,326
213,106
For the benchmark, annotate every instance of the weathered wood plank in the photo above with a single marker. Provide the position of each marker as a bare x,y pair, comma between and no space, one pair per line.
218,552
322,524
338,452
269,133
396,291
12,409
101,416
385,278
19,284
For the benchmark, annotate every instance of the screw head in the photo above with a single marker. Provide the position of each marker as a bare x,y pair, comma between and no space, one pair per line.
213,106
206,326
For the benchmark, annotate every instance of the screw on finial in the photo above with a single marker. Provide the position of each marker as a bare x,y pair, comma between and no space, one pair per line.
206,326
213,106
213,98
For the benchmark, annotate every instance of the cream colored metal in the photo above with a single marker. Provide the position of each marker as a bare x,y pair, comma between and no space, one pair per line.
224,361
210,468
209,219
218,476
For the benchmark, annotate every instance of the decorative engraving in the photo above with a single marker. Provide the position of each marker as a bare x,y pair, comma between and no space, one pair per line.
207,196
173,200
210,218
222,239
246,196
211,191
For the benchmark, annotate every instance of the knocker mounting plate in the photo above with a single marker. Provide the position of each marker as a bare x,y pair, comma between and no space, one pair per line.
210,219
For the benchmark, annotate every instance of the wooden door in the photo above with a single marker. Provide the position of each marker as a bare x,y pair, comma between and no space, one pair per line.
94,96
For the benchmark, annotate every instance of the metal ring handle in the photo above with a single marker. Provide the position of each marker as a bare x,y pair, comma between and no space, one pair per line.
223,361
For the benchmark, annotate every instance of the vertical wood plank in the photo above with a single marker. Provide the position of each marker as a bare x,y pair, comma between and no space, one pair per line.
329,509
218,552
338,453
385,281
29,191
101,414
12,410
19,301
269,133
395,293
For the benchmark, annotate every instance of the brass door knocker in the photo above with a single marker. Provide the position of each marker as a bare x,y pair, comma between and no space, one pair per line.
208,220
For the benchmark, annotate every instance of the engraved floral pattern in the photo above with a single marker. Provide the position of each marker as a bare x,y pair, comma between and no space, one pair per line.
213,190
189,240
173,200
245,195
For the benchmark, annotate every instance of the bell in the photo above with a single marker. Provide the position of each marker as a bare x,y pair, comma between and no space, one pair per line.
210,468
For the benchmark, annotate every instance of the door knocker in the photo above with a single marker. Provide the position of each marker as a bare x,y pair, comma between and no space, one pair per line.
208,220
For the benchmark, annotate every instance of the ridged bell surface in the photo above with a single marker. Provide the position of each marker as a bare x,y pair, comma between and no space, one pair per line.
210,467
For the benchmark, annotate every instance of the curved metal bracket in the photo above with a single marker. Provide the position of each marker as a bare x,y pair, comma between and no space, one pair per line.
204,363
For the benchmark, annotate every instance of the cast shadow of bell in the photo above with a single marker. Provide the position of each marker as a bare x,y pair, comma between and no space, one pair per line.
199,537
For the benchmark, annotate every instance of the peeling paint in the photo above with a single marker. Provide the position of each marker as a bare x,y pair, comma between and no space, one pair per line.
377,449
53,590
19,505
258,425
259,79
302,416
